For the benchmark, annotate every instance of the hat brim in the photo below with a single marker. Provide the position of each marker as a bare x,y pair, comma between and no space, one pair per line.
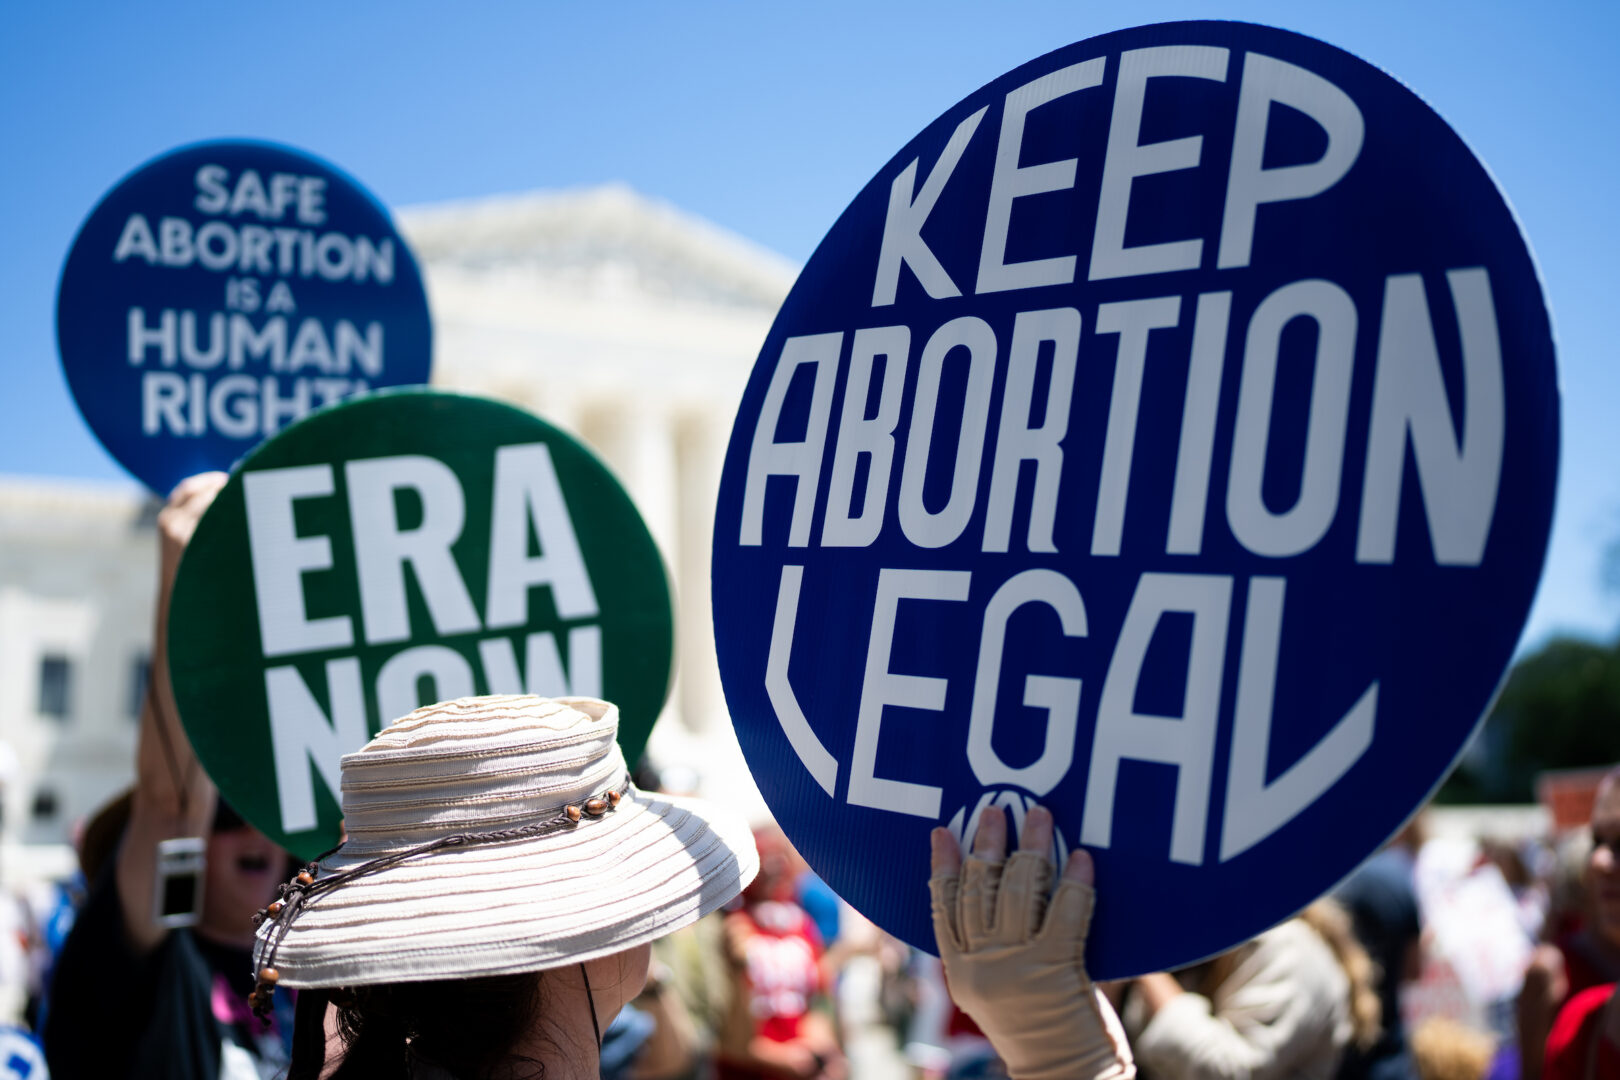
651,866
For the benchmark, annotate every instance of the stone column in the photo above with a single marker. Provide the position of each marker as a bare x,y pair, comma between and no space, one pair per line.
637,441
700,450
557,406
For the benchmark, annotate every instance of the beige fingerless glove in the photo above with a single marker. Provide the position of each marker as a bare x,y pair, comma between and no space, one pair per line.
1017,966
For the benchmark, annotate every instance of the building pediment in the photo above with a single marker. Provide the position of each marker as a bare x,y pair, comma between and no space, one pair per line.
602,243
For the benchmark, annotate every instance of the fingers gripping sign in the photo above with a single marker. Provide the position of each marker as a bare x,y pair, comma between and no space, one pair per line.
178,519
1014,952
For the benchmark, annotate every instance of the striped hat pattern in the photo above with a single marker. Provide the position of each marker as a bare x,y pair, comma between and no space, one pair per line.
607,880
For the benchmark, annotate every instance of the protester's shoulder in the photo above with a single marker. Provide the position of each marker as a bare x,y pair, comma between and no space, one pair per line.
98,928
1291,937
1381,888
98,943
1567,1040
1294,952
1582,1005
98,964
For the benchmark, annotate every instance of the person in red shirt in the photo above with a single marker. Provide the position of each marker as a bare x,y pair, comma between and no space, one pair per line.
1585,1038
774,1031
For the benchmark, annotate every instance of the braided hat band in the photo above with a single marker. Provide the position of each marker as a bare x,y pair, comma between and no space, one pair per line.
306,888
492,836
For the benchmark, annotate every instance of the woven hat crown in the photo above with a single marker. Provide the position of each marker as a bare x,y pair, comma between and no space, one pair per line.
477,764
496,835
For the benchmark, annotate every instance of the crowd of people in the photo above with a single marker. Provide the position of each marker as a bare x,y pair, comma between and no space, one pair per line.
538,914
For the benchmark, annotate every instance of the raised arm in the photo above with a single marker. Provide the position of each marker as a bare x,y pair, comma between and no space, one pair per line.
173,796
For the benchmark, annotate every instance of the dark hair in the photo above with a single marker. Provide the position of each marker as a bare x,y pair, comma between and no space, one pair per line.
470,1027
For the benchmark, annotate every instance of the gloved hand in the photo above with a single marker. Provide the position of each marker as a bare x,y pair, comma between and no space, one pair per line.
1016,963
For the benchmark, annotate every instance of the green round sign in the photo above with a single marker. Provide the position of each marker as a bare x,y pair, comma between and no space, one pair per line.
399,549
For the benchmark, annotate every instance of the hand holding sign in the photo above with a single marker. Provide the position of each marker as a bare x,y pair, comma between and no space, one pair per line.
1014,952
178,519
1167,435
406,548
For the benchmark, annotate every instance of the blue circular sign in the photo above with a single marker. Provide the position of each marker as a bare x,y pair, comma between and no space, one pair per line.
20,1055
1166,435
224,290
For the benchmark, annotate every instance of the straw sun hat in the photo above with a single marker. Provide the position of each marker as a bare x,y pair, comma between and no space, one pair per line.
496,835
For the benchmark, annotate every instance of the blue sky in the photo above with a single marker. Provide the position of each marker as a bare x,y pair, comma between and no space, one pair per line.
766,119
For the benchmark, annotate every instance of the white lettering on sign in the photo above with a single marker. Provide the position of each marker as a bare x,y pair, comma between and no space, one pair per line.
924,527
1199,407
1409,406
943,463
820,764
234,340
902,232
883,687
1132,320
1300,527
1458,475
1059,697
527,495
228,247
800,460
304,195
859,436
281,558
241,406
1255,808
1011,180
382,548
282,250
399,687
543,671
1017,441
1186,742
303,735
390,544
1128,159
1250,184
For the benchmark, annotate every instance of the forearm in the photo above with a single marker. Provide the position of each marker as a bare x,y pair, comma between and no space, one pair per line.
670,1050
1184,1038
1544,986
172,796
1157,990
169,784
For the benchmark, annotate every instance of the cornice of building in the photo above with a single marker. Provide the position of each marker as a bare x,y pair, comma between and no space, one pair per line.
608,238
40,505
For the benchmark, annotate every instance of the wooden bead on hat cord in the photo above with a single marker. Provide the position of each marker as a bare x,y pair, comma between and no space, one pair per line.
308,886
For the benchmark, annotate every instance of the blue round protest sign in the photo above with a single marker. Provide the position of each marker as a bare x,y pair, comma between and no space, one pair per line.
1166,435
222,291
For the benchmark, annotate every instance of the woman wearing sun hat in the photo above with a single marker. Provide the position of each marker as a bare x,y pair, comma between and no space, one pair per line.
493,904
